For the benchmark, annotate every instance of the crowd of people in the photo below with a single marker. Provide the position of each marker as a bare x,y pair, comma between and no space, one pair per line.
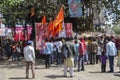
67,53
72,52
10,50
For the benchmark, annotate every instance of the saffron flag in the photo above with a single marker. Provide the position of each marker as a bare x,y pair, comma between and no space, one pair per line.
50,28
60,17
58,28
58,21
44,20
32,12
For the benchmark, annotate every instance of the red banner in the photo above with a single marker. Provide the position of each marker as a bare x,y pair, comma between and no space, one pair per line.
29,31
68,29
41,33
21,34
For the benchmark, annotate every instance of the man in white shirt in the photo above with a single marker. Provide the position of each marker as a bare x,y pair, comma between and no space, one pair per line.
29,55
58,44
111,52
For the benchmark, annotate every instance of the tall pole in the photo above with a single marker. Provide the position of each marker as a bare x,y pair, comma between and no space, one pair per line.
83,12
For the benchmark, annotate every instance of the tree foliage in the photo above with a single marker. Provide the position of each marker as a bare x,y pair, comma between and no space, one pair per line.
116,28
112,8
15,11
12,11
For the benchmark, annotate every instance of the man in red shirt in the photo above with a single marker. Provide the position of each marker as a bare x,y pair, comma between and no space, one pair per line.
82,50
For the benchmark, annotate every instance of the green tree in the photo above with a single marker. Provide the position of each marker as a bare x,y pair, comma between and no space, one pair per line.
19,10
11,10
116,28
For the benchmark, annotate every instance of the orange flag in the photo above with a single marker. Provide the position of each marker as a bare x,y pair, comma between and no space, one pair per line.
44,20
58,28
58,20
60,17
32,12
50,28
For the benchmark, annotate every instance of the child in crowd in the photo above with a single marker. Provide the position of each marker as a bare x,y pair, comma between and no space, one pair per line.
103,59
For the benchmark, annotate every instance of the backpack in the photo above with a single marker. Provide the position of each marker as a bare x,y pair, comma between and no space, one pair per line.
65,52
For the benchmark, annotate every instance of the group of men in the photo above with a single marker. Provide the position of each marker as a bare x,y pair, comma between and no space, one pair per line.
72,48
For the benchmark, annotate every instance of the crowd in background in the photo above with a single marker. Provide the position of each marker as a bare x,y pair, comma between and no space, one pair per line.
11,50
89,50
71,52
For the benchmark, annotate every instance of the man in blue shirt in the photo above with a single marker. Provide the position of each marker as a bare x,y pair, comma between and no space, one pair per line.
48,49
111,52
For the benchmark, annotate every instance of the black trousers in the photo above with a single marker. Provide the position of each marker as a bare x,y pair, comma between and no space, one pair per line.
103,68
47,60
97,58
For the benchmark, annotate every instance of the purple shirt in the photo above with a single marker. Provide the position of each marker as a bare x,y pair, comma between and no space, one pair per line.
103,59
